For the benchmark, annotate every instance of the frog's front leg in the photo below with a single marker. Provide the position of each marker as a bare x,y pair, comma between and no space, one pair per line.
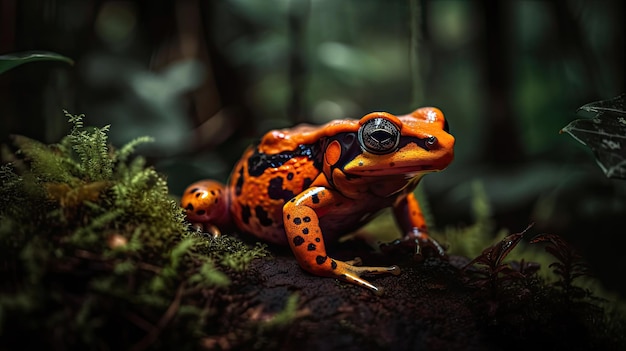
409,216
301,217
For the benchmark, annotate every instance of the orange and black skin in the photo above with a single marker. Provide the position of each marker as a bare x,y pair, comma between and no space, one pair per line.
308,185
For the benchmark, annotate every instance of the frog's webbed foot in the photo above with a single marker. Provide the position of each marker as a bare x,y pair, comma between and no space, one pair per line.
419,242
352,273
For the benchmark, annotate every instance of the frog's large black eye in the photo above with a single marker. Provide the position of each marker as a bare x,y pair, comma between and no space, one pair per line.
379,136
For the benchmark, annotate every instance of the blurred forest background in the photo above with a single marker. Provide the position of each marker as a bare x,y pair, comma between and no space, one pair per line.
206,78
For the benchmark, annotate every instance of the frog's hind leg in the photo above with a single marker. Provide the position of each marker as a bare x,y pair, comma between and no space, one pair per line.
207,206
305,237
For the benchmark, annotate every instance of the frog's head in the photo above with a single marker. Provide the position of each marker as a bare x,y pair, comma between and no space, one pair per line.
411,144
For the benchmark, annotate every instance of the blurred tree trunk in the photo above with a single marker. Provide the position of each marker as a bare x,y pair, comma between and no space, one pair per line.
502,137
577,44
7,44
297,21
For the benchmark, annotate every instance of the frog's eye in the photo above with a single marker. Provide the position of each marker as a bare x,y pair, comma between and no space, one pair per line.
379,136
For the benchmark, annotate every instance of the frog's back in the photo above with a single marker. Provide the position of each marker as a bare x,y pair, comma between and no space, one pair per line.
261,183
286,140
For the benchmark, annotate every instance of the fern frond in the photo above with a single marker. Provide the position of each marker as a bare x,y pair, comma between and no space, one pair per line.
91,148
76,120
46,163
126,150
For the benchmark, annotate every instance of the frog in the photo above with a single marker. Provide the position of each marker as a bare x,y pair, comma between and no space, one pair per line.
308,185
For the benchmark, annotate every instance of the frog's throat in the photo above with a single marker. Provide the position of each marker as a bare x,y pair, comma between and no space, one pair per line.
413,180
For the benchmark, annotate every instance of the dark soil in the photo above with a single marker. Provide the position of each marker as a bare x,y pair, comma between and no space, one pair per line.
432,305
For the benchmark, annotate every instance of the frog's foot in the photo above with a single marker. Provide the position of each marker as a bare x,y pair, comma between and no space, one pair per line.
206,206
212,230
206,229
352,273
418,241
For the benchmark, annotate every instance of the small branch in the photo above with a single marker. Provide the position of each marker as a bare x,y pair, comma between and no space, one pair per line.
166,318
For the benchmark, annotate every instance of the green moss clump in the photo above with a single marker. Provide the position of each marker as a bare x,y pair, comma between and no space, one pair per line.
95,252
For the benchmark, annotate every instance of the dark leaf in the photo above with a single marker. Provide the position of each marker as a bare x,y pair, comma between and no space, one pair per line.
604,134
495,254
13,60
507,244
482,259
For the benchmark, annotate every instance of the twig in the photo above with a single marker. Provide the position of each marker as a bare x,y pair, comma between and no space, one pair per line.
169,314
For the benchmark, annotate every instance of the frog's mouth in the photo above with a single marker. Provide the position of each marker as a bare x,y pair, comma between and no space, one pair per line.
410,159
409,171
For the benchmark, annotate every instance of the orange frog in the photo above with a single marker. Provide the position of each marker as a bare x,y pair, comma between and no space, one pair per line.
307,185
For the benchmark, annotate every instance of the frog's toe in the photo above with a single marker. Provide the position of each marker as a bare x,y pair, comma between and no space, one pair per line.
355,279
206,229
352,274
357,261
212,230
428,243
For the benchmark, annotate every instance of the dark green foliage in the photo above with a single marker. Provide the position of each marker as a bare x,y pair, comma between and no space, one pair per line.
94,251
569,266
518,306
523,311
9,61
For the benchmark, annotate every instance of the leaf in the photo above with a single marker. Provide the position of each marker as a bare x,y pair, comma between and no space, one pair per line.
13,60
604,134
507,244
495,254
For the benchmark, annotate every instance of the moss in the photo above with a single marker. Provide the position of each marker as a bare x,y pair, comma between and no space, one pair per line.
93,248
286,316
469,241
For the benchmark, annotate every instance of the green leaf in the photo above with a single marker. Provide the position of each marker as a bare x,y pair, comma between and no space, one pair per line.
13,60
604,134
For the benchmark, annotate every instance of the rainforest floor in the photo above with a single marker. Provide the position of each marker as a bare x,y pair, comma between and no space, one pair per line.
431,305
